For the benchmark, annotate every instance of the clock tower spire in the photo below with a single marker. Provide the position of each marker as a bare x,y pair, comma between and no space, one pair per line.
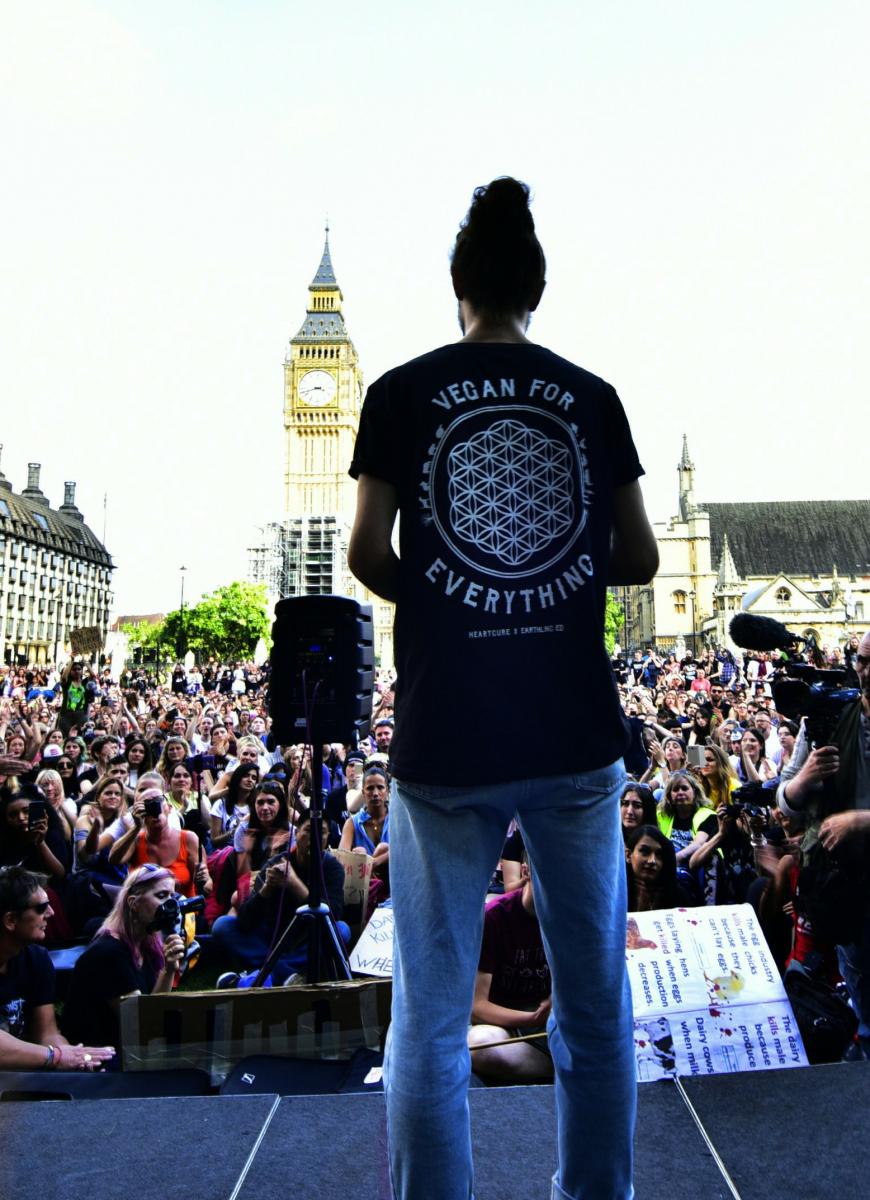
322,401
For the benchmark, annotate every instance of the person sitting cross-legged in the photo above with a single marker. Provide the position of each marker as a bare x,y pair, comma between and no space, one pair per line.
280,887
511,992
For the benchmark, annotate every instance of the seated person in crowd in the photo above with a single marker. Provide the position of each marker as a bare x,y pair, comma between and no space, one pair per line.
126,957
32,835
511,992
29,1037
368,831
280,887
651,871
637,806
152,839
347,798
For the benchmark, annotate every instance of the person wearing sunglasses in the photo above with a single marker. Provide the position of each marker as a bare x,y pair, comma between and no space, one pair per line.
29,1037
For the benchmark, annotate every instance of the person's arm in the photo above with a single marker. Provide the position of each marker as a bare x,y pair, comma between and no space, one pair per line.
370,554
122,850
346,842
634,555
511,874
484,1012
198,869
685,855
708,848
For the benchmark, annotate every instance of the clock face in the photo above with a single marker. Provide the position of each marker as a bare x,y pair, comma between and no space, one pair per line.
317,388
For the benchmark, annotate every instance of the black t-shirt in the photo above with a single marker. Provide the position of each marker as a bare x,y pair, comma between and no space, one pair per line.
106,971
26,984
505,458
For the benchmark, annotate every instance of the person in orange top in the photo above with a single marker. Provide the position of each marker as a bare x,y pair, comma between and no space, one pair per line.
152,839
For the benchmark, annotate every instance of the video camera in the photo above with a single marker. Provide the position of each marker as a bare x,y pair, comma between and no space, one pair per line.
170,918
804,689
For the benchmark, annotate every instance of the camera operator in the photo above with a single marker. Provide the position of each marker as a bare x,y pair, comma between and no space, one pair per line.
828,787
29,1037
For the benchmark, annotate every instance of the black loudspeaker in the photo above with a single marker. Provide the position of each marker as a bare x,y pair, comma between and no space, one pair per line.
322,670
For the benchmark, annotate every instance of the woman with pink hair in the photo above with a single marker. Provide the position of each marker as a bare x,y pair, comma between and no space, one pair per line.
127,956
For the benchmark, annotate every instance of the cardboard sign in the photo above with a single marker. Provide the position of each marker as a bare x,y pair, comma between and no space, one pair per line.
373,953
357,877
88,640
215,1030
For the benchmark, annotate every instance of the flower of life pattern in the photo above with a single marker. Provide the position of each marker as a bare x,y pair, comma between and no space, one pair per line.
511,491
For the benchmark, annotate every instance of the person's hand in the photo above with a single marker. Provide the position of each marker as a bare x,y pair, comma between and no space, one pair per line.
137,812
822,763
656,753
97,823
37,833
359,850
838,828
201,876
278,876
542,1012
82,1058
767,859
173,952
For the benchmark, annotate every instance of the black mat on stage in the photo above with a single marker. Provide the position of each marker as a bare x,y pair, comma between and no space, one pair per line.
777,1134
793,1133
514,1147
165,1149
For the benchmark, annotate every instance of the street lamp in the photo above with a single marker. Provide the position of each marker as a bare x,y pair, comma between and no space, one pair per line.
691,595
183,639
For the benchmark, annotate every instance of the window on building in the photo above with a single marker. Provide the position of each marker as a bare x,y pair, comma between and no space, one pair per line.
41,522
859,610
4,509
783,595
679,602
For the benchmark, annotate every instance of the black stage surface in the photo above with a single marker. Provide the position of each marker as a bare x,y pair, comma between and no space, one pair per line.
770,1135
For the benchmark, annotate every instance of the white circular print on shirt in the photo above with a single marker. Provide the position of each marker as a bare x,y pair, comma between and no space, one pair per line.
508,489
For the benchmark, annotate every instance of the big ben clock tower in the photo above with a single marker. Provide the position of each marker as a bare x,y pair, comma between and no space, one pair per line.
322,401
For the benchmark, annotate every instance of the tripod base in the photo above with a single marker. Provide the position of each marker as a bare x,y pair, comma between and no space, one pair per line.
314,926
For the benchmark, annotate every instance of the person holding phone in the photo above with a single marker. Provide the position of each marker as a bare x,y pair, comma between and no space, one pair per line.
31,833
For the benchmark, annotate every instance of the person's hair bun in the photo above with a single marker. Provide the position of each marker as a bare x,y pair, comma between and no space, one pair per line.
498,264
500,207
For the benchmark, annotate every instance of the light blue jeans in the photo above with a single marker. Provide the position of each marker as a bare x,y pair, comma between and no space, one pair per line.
444,845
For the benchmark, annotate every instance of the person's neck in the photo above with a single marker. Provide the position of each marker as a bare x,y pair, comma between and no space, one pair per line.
487,327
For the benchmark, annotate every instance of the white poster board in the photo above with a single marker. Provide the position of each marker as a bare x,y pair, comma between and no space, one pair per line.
373,953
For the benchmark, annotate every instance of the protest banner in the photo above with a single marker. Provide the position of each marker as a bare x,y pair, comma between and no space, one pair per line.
87,640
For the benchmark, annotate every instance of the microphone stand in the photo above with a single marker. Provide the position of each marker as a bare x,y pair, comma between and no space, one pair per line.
313,922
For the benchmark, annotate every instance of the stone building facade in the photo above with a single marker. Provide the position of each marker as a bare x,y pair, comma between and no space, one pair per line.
55,573
803,562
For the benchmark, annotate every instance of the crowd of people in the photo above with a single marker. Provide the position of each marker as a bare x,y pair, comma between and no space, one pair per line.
117,796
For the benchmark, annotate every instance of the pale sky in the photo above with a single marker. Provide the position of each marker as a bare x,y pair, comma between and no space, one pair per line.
701,184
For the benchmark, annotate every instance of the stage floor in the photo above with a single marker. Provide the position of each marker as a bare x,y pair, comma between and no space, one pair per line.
769,1135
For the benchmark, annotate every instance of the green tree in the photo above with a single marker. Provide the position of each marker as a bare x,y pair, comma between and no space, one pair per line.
614,619
226,624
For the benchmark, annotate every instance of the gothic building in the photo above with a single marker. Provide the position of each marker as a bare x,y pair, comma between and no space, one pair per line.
804,562
305,553
55,573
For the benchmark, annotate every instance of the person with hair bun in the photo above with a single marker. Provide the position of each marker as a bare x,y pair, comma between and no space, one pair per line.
515,477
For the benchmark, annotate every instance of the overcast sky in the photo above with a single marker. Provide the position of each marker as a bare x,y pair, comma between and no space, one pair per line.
701,179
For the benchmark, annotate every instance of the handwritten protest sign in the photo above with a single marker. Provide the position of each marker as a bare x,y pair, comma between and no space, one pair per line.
708,998
87,640
373,953
357,878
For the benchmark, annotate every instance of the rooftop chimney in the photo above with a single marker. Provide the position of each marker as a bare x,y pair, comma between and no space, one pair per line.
68,508
33,490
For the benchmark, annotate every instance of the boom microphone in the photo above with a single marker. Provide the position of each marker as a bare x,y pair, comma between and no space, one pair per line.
762,633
